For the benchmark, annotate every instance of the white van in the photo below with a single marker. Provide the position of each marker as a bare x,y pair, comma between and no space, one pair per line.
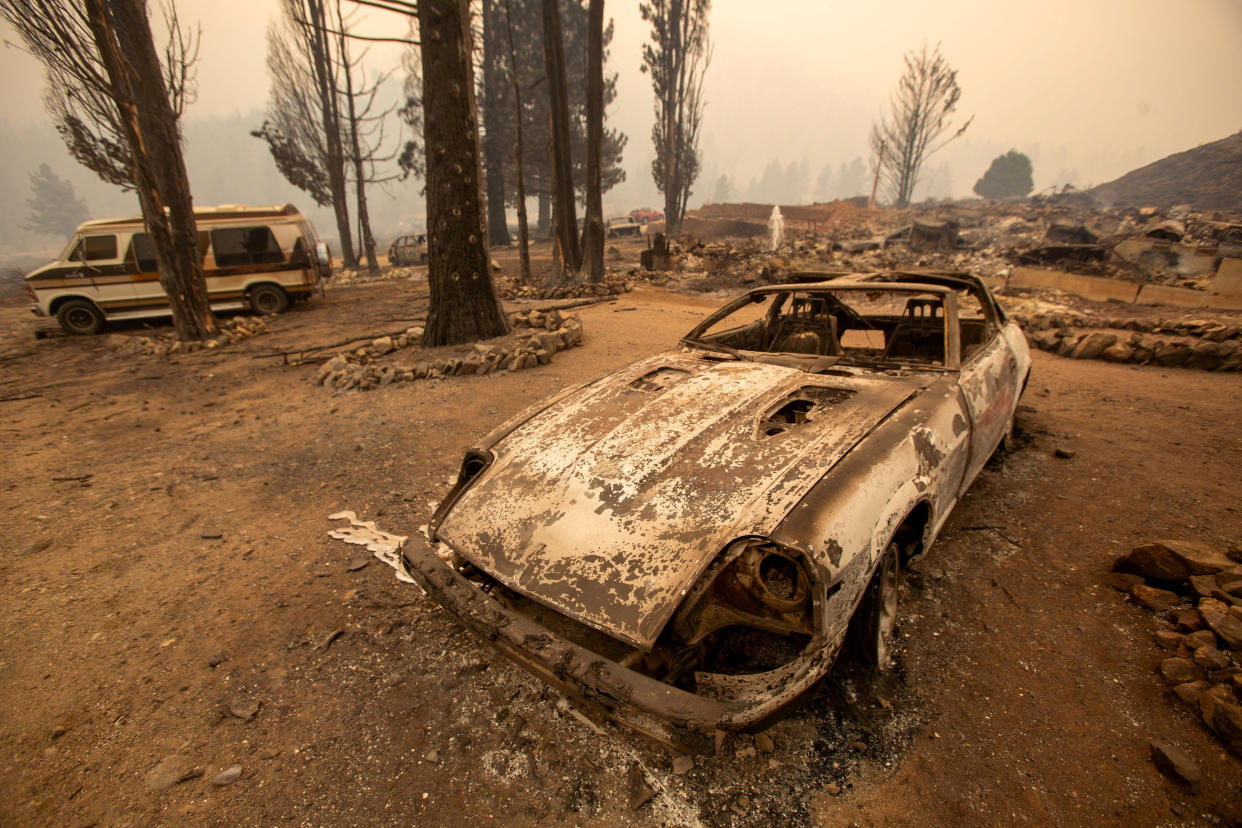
257,257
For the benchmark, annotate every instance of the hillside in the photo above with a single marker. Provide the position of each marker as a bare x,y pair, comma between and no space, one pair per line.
1208,177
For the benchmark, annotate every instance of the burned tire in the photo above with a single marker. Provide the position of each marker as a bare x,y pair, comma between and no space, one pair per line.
873,625
265,299
80,316
422,258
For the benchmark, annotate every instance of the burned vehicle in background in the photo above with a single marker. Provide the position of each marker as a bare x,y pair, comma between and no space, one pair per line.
753,493
408,250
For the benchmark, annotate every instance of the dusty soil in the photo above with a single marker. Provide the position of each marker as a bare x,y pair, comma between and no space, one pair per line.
168,559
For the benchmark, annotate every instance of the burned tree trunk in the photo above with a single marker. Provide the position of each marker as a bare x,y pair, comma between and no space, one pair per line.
519,152
464,307
493,132
593,239
360,178
564,214
325,80
122,35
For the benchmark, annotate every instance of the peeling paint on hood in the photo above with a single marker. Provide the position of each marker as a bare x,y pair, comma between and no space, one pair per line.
608,505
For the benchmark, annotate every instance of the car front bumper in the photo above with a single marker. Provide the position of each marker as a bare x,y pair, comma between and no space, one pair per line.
674,717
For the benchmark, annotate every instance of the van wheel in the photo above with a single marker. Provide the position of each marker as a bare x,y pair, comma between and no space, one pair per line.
80,316
265,299
873,624
422,258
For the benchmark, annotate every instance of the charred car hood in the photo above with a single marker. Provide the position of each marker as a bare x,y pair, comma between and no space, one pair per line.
608,504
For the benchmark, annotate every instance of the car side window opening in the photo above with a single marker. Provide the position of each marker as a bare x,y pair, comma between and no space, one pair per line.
235,246
142,253
880,325
95,249
975,321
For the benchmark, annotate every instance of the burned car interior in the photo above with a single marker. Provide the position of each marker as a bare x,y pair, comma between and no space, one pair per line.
875,324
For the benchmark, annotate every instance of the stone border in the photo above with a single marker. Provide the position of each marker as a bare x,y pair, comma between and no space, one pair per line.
231,330
549,333
1215,346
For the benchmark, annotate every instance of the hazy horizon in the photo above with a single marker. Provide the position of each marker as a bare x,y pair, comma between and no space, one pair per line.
1088,91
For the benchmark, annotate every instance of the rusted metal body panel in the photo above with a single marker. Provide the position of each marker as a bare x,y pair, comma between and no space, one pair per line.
644,504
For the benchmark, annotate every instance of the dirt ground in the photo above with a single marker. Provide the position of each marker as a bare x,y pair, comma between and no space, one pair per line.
167,561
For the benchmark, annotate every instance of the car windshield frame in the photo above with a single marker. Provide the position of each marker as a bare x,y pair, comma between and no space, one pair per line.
834,294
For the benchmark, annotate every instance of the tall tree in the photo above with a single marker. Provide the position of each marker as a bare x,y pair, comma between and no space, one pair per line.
918,121
494,83
519,150
78,96
463,302
127,51
55,208
677,59
593,236
564,214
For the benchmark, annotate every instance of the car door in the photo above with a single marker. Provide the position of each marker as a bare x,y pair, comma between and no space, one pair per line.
989,379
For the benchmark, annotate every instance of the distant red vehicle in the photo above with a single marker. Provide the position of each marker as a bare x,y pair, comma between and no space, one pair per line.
645,216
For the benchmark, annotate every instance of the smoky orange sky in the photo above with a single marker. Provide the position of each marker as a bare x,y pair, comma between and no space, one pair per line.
1090,88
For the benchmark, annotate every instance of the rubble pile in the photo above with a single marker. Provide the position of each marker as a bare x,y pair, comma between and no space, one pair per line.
1173,246
361,275
509,287
546,334
231,330
1206,345
1196,593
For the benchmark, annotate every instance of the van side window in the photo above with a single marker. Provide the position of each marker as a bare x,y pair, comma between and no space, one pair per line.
95,248
142,254
245,245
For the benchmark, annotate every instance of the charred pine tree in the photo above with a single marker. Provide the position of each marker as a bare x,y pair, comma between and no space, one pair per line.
593,239
463,302
313,19
564,213
493,116
126,49
355,150
519,151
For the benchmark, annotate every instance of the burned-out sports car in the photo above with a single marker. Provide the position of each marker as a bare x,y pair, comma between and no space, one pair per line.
686,543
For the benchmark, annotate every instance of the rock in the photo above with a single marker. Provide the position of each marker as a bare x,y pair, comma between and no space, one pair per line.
683,764
227,776
1171,355
1202,585
1092,345
832,789
1227,722
244,709
59,730
1210,658
640,793
171,770
1119,352
1172,560
1169,640
1122,581
1234,553
1232,587
217,659
1207,605
1228,627
35,547
1179,670
1211,698
383,345
1200,638
1187,620
1064,453
356,564
1158,600
1046,340
1190,691
1235,612
765,743
1176,765
1204,356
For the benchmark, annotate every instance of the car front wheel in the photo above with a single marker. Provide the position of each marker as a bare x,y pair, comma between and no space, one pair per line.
80,316
875,621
